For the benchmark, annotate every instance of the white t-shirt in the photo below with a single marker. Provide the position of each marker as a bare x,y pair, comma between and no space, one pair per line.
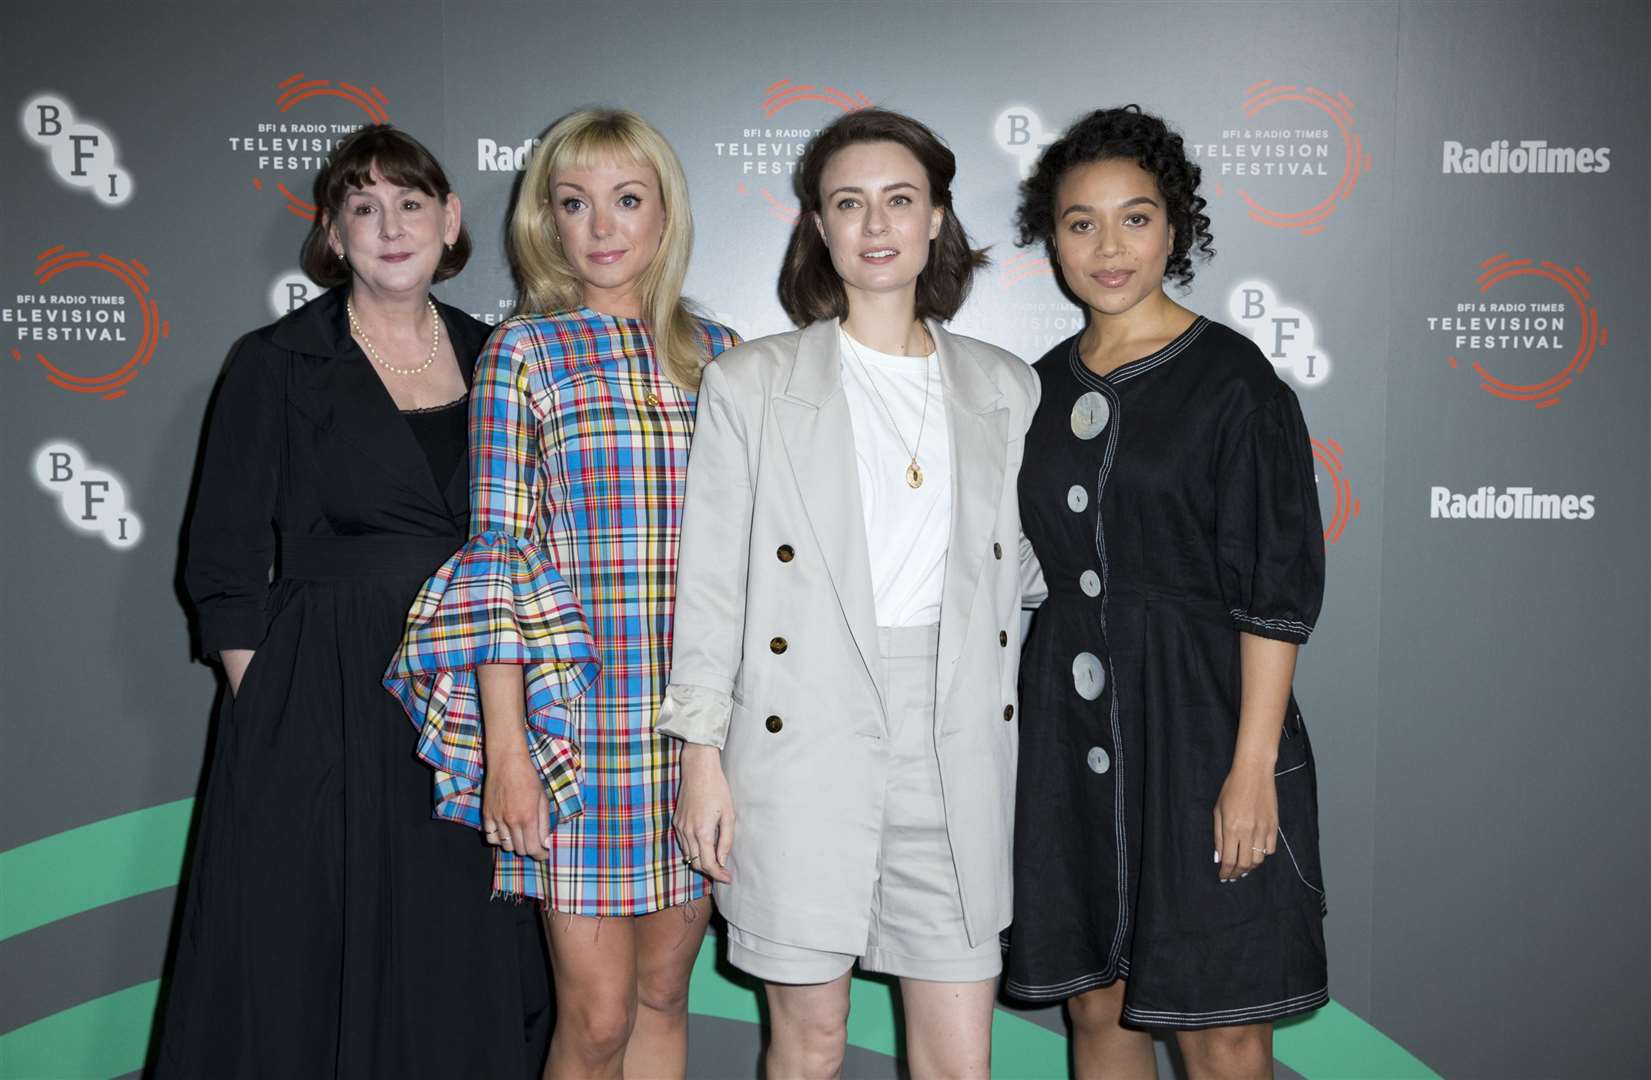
907,529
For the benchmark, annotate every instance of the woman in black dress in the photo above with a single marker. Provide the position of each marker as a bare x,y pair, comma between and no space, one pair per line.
1168,492
331,927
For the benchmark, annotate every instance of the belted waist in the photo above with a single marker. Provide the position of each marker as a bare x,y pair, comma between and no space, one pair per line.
365,556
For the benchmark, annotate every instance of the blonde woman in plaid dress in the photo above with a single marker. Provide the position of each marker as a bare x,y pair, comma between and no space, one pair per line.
534,661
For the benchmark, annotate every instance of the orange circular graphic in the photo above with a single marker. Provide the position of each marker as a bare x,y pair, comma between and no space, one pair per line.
1328,453
134,275
296,88
1355,162
782,95
1591,336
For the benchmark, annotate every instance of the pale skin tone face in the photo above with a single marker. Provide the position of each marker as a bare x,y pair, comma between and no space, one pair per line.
877,219
1113,239
610,220
393,238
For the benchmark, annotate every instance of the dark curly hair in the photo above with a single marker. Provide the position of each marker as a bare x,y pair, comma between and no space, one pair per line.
1133,135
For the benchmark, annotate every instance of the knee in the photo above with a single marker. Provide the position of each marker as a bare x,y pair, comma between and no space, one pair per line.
1228,1051
816,1041
599,1026
1097,1010
663,992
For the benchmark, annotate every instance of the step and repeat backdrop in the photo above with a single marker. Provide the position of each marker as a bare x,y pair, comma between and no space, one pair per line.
1431,216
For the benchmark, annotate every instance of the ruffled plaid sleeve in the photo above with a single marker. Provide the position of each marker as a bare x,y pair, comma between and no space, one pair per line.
497,601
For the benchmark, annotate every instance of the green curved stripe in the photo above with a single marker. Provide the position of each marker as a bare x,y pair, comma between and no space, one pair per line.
109,860
97,1039
121,857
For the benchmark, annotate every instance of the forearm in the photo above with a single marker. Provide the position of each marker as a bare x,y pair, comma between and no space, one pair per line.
504,711
1266,668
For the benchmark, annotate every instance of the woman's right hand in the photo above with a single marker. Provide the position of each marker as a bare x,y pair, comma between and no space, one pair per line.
704,819
515,806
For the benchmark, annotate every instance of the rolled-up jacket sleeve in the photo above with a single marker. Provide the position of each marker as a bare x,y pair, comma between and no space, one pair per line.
712,571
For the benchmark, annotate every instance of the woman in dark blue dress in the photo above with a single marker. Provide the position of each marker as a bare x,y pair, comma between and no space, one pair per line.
330,927
1168,492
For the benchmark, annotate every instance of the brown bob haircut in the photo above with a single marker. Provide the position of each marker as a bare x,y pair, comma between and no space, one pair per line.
399,159
810,289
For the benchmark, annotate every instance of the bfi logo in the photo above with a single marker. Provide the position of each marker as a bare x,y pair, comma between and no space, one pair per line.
91,498
291,291
1283,331
1020,134
82,155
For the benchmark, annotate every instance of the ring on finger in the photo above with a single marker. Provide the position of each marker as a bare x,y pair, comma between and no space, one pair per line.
1263,851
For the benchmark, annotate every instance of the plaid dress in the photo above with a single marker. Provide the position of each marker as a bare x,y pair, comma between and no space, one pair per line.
578,455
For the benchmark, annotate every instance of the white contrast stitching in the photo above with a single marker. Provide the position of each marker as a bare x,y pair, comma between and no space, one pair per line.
1223,1017
1297,865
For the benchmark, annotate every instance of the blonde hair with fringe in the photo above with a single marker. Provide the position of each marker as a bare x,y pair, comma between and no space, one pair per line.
547,279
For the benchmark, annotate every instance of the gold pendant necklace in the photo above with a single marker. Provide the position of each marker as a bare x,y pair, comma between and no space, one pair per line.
914,471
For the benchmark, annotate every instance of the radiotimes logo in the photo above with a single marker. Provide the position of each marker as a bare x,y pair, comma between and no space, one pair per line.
311,117
1019,132
495,156
1285,332
1507,157
1293,163
1335,489
764,153
95,317
1534,340
1510,504
81,154
91,498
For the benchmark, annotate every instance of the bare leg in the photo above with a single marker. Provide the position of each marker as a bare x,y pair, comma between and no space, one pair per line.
1228,1053
1101,1045
594,964
667,943
809,1030
948,1028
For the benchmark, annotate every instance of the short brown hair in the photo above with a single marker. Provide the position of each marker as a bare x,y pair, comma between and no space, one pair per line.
810,289
399,159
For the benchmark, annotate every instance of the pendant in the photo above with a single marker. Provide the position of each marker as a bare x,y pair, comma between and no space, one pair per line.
914,474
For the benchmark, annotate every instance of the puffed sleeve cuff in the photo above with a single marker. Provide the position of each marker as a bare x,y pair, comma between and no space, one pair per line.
695,714
1290,630
231,625
496,601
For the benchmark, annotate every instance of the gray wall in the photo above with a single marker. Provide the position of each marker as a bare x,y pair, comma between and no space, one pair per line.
1476,685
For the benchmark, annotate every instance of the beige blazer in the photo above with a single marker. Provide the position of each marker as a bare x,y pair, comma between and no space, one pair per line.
775,654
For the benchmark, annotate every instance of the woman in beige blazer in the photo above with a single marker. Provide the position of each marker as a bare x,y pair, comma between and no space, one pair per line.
847,617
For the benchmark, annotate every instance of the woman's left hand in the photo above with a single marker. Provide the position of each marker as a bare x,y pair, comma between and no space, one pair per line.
1246,819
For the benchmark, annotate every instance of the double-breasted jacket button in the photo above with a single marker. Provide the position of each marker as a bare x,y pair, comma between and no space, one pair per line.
1008,712
997,551
774,724
777,645
652,398
1090,582
1003,638
784,553
1098,760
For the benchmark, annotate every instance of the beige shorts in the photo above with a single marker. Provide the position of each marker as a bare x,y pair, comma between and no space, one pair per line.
917,929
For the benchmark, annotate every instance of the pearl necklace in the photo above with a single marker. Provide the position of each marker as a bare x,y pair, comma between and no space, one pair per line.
435,340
